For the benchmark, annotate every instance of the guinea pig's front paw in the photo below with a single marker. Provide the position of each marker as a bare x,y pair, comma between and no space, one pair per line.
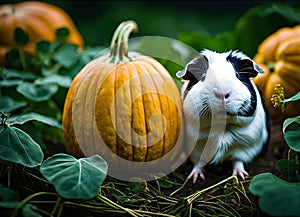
239,170
196,172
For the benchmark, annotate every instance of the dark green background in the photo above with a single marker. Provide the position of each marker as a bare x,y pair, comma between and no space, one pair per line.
96,20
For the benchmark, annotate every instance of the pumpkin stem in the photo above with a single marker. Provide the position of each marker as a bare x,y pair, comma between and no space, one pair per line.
119,42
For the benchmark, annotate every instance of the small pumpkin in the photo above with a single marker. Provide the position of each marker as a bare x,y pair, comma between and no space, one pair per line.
279,56
39,20
122,104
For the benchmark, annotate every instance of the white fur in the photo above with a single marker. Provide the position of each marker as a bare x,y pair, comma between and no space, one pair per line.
223,135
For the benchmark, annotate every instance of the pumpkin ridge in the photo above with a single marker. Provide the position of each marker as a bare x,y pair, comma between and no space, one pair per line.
89,116
103,109
138,129
123,114
161,100
151,97
67,123
80,110
173,95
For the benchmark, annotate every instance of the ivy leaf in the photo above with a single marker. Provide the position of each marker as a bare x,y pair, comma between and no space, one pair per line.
22,119
37,93
18,147
21,37
75,178
291,129
277,197
8,104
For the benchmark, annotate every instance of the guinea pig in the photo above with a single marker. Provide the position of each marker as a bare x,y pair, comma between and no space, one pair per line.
224,115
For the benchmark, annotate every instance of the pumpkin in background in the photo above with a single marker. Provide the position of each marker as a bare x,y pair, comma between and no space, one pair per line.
125,103
279,56
39,20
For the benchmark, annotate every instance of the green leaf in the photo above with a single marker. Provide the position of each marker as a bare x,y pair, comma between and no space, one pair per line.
293,98
203,40
277,197
21,37
291,132
10,83
164,181
75,178
60,80
62,32
67,55
28,211
289,169
165,48
11,73
37,93
9,198
8,104
18,147
22,119
261,21
137,185
43,46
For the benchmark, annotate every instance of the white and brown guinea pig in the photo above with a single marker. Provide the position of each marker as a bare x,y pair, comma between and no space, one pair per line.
224,115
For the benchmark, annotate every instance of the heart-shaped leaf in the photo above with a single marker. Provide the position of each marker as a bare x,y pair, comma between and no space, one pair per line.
277,197
75,178
18,147
37,93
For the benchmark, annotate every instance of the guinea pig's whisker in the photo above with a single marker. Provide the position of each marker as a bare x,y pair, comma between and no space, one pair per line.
204,109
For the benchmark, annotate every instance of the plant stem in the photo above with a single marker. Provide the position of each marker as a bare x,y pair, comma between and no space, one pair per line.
57,206
115,205
154,213
22,58
178,189
23,202
9,175
188,200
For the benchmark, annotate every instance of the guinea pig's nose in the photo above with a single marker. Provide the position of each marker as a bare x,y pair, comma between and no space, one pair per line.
222,95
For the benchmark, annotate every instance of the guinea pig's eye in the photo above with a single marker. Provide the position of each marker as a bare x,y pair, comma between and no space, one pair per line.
249,67
243,64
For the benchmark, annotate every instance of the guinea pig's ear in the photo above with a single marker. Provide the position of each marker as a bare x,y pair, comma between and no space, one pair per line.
195,70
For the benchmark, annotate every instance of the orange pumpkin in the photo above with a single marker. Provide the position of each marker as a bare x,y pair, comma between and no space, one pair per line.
39,20
122,104
279,55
